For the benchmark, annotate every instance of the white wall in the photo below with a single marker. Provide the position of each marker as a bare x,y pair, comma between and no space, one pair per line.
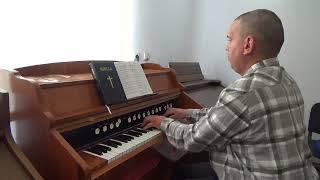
164,29
211,20
300,52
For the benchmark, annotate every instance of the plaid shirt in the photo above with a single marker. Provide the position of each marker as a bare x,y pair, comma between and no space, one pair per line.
256,129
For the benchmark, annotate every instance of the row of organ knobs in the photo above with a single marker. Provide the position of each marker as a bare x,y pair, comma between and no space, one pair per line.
134,117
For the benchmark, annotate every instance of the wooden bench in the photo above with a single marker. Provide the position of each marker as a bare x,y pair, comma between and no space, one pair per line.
190,75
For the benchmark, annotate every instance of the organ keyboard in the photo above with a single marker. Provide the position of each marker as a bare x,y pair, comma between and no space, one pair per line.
63,127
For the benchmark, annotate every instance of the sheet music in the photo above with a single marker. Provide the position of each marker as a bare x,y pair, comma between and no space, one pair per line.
133,79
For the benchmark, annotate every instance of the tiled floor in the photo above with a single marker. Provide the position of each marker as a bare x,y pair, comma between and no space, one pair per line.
10,168
207,96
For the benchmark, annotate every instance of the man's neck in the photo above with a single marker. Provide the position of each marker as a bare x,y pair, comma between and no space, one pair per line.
252,62
247,66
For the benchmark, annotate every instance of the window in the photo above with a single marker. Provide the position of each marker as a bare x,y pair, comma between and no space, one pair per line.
37,32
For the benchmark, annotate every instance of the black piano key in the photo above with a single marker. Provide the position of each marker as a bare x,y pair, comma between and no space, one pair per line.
96,148
115,142
95,151
104,149
149,129
133,133
126,137
130,134
109,143
137,132
118,138
140,130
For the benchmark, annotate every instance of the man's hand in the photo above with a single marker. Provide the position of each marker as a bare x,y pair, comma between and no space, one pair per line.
176,113
152,121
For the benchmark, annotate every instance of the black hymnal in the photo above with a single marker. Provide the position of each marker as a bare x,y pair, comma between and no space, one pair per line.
119,81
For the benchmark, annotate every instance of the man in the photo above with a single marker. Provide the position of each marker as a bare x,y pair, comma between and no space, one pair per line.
256,129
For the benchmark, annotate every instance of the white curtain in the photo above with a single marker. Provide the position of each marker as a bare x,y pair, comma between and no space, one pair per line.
42,31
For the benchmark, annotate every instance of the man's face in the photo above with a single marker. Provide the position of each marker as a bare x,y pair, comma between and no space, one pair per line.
235,46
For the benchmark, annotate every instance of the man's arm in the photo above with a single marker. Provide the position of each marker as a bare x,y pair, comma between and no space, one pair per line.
185,115
217,126
193,115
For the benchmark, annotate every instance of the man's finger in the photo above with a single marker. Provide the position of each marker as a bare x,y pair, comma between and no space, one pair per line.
147,126
145,121
169,112
173,116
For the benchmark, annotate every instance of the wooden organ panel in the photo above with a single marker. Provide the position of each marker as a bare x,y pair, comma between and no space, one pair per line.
13,163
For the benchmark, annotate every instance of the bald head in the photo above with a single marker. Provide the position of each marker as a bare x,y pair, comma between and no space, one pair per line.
266,27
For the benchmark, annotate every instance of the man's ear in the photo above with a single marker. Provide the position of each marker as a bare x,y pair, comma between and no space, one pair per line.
249,45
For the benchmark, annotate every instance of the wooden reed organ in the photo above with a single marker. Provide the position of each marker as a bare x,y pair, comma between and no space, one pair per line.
64,129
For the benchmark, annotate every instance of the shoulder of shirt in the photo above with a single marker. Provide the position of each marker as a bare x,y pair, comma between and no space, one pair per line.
260,78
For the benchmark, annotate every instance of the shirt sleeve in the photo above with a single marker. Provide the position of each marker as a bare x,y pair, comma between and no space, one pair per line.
193,115
216,127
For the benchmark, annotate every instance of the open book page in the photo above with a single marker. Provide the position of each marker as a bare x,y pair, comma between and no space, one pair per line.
133,79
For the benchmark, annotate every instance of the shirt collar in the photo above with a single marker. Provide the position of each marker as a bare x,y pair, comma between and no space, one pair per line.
266,62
